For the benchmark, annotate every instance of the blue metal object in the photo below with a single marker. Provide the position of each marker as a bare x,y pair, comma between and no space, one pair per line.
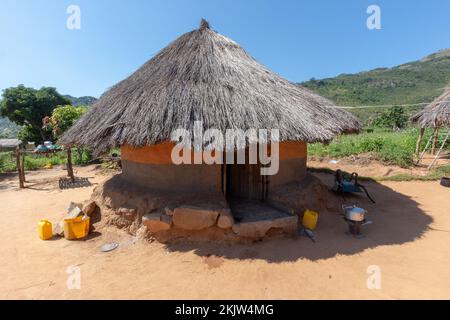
350,185
41,148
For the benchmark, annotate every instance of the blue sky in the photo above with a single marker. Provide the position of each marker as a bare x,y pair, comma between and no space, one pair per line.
297,39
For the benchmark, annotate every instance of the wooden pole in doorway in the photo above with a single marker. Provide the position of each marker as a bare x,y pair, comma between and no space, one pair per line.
419,141
19,168
69,165
435,138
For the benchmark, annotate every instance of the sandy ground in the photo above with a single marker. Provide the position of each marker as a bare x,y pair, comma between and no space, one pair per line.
365,165
409,242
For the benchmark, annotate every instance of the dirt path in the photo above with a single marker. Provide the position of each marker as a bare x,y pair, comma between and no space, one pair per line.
409,241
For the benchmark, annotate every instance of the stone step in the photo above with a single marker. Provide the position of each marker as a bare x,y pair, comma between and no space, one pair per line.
259,228
254,219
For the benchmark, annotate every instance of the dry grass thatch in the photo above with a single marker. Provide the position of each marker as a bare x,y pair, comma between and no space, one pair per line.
205,76
436,114
9,144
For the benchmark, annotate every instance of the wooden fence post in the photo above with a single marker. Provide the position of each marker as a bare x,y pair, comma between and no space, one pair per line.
23,167
19,168
419,141
435,137
69,165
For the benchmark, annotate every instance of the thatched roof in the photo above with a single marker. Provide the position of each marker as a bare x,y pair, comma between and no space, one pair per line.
9,144
436,114
205,76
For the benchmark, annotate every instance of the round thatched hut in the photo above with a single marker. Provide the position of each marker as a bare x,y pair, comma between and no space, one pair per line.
204,77
435,115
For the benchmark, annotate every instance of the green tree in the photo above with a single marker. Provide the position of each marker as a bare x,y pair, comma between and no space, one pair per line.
394,118
28,107
31,134
62,118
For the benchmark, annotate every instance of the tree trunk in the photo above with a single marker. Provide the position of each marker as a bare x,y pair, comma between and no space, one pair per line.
419,141
69,165
435,138
42,134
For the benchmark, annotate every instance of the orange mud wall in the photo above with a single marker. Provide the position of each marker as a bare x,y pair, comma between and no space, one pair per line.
152,167
292,164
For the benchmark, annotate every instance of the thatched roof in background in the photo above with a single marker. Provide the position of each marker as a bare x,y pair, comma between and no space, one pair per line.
9,144
205,76
436,114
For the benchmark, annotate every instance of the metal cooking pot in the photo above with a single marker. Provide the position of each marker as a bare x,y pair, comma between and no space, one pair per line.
354,213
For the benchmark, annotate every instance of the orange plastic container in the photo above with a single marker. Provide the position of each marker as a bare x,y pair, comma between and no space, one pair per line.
76,228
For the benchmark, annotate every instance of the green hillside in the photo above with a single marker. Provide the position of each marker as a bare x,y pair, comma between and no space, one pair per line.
410,83
8,129
81,101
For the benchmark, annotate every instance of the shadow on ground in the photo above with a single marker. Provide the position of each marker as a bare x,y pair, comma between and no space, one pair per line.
397,219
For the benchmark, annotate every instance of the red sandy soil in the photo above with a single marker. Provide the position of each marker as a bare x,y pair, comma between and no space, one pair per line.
366,165
408,241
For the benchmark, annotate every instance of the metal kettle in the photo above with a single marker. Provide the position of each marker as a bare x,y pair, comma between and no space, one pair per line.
354,213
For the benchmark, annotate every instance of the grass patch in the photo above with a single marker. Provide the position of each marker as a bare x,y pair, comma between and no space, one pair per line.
397,148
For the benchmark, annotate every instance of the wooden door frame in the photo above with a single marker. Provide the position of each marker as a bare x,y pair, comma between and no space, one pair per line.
225,181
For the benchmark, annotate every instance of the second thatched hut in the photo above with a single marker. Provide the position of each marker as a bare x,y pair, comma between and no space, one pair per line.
435,116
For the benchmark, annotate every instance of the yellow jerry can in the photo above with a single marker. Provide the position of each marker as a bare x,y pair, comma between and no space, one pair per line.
76,228
310,219
45,230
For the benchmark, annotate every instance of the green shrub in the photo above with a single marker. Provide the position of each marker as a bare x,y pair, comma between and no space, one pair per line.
34,162
394,118
81,156
7,164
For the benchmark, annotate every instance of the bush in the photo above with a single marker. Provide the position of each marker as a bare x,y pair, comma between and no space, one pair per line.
394,118
7,164
34,163
81,156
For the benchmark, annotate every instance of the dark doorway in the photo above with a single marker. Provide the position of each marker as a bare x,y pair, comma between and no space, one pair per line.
244,181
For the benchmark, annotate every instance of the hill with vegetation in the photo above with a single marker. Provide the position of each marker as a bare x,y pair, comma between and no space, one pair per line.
81,101
410,83
8,129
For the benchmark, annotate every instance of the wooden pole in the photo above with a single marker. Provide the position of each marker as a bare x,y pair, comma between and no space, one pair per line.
69,165
23,167
419,141
19,168
435,137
